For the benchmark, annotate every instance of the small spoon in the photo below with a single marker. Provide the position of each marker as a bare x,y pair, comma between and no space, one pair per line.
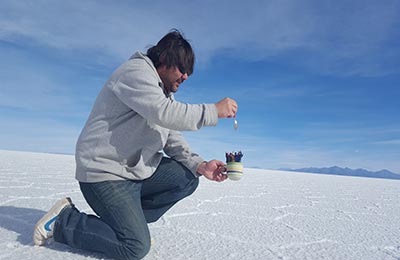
235,123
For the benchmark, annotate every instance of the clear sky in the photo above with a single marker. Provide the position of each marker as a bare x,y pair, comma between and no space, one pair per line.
317,82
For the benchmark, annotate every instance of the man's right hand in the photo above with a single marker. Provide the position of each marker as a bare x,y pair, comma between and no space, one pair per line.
227,107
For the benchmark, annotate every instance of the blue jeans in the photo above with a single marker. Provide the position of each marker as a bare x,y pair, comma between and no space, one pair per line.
123,210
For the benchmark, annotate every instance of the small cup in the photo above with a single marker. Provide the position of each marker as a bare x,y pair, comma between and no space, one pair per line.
234,170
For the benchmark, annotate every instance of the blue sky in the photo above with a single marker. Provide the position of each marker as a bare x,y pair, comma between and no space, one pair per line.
317,82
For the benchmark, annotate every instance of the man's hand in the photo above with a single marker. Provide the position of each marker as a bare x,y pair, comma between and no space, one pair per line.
213,170
226,107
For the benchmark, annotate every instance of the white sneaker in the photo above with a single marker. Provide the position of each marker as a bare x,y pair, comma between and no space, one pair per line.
44,227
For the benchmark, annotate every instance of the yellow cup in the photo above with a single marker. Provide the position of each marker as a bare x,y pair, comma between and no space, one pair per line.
234,170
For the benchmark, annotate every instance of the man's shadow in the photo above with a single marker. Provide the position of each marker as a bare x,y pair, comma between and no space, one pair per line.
23,220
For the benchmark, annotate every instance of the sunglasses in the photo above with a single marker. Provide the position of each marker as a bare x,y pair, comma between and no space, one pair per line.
182,69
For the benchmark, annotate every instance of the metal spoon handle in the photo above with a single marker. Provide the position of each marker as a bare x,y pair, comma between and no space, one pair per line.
235,123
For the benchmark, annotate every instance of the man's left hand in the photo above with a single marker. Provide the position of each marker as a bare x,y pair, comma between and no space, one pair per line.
213,170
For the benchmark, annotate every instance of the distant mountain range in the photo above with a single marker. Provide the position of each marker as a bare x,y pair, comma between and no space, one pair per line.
335,170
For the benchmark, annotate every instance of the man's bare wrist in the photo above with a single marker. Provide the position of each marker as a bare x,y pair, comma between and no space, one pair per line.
201,169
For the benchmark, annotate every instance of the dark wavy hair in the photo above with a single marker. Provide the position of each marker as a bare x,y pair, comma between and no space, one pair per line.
173,50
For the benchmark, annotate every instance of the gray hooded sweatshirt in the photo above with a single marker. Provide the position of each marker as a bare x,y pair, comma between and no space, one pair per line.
133,122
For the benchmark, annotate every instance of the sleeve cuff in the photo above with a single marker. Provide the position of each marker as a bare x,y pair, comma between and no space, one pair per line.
211,115
194,165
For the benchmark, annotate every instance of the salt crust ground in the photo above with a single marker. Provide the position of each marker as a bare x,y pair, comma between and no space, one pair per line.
266,215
